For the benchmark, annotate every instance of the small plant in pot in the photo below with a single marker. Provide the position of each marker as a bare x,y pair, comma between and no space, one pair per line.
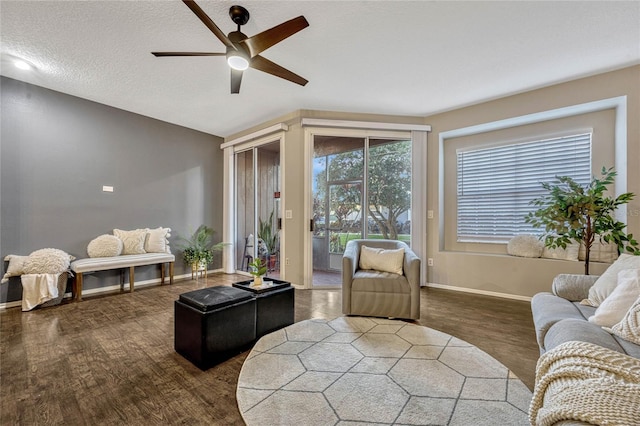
198,249
257,268
581,213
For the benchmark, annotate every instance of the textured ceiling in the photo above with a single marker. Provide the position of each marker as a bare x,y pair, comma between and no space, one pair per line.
390,57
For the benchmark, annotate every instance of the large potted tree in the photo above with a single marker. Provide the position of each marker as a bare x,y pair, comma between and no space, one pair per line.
581,213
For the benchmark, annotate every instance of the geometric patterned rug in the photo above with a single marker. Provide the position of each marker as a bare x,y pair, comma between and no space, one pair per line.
355,370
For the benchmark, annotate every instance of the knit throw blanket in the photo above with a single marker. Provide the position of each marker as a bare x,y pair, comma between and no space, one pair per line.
579,381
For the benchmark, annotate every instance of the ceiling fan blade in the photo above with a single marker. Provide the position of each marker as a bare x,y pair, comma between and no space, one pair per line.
161,54
261,42
208,22
236,79
262,64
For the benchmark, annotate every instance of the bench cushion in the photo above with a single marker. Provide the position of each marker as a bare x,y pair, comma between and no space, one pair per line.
125,261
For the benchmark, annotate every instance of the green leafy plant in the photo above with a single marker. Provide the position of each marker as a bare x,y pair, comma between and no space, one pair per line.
265,232
574,212
199,248
257,267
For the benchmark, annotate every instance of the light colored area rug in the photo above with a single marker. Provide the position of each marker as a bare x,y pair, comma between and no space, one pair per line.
354,370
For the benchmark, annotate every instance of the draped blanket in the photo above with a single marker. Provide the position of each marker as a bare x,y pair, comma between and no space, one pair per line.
37,289
580,381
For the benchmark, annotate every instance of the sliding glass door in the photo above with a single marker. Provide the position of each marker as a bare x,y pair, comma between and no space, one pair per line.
361,188
257,183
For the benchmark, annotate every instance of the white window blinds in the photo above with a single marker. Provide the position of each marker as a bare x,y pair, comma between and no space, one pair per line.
495,185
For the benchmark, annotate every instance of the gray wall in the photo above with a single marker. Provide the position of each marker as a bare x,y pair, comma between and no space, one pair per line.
56,153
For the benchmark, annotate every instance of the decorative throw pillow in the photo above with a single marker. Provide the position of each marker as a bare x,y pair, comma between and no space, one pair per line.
525,246
600,252
157,240
607,282
133,241
384,260
614,307
629,327
15,268
47,261
569,253
105,246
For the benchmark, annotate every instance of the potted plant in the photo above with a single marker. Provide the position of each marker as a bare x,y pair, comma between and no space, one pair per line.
270,238
257,268
198,249
574,212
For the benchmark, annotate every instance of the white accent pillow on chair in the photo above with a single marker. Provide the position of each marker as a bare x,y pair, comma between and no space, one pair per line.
383,260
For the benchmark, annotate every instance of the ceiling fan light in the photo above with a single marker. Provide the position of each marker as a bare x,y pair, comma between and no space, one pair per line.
237,61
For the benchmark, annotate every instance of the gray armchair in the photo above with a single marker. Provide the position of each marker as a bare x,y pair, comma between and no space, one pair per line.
380,294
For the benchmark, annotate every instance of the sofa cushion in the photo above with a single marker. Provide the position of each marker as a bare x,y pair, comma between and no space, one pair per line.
630,348
548,309
613,308
605,284
578,329
379,282
629,327
384,260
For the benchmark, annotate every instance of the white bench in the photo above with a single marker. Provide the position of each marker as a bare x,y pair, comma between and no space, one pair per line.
130,261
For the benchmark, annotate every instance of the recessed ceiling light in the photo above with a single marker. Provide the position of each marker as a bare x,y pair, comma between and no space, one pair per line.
22,65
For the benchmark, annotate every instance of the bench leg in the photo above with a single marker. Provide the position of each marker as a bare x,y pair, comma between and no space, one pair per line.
131,278
77,287
170,273
162,273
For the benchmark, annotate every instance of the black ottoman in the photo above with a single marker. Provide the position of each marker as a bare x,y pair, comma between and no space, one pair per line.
274,305
214,324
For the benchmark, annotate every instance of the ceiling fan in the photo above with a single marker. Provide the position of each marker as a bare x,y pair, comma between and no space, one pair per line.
244,52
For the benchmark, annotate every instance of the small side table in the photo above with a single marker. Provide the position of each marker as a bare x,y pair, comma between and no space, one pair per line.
274,304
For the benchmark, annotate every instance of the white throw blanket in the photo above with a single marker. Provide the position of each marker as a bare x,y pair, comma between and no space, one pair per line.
579,381
37,289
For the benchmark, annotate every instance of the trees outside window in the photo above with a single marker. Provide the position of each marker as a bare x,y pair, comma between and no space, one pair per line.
339,185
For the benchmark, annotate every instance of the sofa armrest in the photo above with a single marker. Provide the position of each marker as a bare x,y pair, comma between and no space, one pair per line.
573,287
411,267
350,261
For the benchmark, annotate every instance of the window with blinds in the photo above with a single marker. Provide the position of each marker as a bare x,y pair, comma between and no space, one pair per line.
495,185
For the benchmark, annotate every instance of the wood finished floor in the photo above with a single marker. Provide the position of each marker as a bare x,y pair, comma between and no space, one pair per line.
109,360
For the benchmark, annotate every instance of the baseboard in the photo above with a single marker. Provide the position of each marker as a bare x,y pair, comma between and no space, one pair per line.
482,292
112,288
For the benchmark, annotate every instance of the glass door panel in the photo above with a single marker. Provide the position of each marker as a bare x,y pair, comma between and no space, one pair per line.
245,210
258,207
268,212
345,219
389,189
337,186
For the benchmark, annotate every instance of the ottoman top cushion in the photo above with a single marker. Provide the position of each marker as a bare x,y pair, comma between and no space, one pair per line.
212,298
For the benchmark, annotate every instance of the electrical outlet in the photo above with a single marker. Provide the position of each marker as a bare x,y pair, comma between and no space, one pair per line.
429,262
429,214
287,261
